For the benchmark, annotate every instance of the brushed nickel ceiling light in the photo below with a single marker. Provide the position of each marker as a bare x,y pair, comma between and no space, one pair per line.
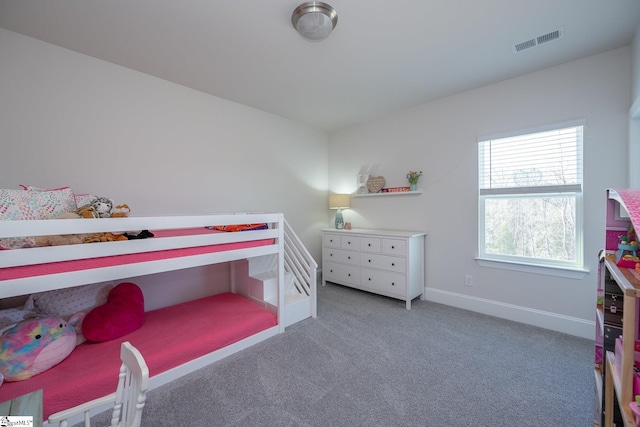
314,20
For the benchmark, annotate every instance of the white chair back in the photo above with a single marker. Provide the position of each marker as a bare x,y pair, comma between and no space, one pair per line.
133,383
129,399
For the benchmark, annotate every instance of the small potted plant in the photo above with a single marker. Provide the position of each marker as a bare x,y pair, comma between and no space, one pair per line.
413,177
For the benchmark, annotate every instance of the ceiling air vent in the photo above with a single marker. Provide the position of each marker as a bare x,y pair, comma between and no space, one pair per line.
545,38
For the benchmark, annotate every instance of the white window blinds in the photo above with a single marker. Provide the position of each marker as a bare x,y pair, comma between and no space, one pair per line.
543,162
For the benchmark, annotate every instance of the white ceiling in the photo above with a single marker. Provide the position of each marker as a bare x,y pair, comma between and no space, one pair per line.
382,56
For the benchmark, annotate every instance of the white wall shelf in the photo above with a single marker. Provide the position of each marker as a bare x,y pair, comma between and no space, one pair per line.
397,193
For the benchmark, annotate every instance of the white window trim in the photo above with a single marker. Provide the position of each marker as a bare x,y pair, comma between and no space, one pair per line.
547,270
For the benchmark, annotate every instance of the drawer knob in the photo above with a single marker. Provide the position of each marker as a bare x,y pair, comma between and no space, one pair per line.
393,284
393,264
369,245
369,278
369,260
393,247
349,274
348,257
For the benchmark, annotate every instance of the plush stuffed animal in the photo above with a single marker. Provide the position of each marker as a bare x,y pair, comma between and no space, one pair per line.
35,345
104,237
87,211
103,206
62,239
121,211
121,314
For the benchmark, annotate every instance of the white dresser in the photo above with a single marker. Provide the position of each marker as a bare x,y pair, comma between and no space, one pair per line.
384,262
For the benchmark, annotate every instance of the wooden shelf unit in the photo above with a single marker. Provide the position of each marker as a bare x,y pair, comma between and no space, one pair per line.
622,381
617,377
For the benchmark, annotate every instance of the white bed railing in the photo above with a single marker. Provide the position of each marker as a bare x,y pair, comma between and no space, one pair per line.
44,255
299,262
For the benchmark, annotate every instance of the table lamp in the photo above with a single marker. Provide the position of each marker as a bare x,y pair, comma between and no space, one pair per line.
339,202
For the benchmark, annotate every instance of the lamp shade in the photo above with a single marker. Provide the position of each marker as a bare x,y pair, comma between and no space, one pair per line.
339,201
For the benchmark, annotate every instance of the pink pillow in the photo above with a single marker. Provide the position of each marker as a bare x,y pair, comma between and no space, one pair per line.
121,314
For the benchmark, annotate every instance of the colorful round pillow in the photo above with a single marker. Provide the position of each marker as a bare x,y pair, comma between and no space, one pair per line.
121,314
35,345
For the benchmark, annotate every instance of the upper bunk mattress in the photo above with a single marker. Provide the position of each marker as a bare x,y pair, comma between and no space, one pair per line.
170,337
26,271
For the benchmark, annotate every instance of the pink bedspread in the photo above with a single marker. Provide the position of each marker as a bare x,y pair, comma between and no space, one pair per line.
169,337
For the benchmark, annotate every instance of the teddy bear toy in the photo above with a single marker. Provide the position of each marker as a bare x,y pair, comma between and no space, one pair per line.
87,211
62,239
121,211
103,206
104,237
35,345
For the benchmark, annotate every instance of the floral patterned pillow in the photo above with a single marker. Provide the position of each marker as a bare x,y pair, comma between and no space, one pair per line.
84,200
81,199
33,204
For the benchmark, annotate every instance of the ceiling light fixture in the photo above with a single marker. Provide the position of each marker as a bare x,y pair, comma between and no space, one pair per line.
314,20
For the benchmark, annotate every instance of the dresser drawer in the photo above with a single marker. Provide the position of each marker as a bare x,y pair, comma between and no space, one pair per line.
332,240
339,255
370,244
340,273
381,281
383,262
394,247
350,242
376,261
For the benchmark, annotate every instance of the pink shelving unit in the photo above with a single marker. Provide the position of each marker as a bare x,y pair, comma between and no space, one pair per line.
618,309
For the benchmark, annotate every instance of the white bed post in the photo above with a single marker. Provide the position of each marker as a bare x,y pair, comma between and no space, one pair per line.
281,302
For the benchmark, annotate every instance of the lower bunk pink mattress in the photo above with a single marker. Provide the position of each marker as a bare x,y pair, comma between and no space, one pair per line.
169,337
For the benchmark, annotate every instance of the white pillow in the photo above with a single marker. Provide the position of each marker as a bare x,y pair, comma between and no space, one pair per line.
11,316
69,301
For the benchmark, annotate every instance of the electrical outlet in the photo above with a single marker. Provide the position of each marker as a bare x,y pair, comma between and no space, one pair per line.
468,280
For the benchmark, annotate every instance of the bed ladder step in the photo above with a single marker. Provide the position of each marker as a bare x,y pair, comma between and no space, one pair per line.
257,280
297,304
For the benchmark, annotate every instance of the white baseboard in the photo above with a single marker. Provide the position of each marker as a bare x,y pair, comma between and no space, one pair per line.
556,322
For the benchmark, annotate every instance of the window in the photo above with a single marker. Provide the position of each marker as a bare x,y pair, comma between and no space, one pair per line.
530,204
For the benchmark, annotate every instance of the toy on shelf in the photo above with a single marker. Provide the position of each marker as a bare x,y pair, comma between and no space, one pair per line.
627,254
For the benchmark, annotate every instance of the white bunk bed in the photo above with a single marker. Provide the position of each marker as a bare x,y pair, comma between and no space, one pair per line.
176,246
